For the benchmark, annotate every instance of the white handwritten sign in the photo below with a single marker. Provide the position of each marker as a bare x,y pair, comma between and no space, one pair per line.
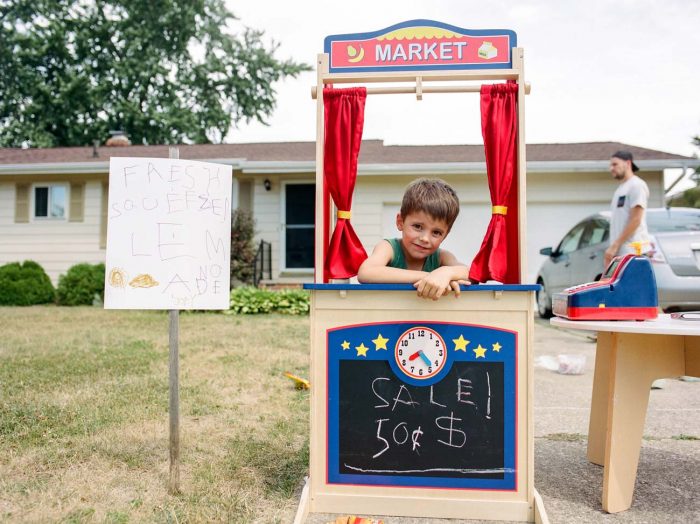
168,235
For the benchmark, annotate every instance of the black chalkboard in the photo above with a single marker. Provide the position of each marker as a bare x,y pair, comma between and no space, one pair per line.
453,429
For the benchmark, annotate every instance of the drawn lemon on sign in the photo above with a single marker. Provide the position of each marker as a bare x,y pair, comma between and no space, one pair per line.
143,280
117,277
354,55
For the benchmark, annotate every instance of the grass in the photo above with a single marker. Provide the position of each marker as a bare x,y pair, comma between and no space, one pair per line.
84,416
566,437
685,437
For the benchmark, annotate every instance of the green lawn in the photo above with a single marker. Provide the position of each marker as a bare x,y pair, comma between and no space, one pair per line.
84,416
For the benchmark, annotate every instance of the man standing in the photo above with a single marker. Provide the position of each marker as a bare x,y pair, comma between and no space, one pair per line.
627,222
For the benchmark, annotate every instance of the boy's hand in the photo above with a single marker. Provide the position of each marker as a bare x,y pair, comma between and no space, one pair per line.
436,284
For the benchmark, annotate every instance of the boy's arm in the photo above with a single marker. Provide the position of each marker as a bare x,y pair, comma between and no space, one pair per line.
449,275
374,269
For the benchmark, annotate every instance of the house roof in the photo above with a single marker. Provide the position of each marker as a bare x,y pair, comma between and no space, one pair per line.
372,151
374,156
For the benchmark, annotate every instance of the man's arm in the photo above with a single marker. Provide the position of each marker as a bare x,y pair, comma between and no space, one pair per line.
374,269
636,216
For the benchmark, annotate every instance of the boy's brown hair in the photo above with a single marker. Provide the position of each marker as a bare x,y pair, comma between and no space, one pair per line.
432,196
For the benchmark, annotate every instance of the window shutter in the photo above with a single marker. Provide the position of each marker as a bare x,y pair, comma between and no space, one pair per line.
22,203
77,202
103,215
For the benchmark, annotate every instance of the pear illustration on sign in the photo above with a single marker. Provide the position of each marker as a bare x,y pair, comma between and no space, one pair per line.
487,51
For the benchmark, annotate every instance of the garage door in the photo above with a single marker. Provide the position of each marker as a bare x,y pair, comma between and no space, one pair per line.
547,223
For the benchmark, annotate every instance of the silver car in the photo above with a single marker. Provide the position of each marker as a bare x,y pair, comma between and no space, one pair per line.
675,242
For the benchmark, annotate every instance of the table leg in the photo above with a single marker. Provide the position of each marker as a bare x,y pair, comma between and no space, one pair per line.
636,361
599,403
692,356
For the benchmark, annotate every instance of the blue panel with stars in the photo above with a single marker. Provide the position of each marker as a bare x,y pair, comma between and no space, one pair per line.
422,404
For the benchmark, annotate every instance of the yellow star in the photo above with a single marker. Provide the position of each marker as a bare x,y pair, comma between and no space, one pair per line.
345,345
460,343
480,352
361,350
496,347
380,342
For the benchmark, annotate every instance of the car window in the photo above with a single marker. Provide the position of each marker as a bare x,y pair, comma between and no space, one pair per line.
659,221
571,240
596,231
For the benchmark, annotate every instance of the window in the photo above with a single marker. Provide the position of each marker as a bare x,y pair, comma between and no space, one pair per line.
571,240
597,231
50,201
673,220
299,206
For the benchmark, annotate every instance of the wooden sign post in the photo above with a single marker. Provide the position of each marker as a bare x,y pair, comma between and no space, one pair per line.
168,247
421,408
174,384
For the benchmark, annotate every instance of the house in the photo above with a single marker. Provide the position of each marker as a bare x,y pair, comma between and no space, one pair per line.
53,202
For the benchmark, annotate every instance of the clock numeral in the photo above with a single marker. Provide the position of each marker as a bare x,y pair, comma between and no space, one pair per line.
437,363
411,336
420,371
437,343
431,336
430,368
412,367
421,332
404,342
400,352
403,362
440,353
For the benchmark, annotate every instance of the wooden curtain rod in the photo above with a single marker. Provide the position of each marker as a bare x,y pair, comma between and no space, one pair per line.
418,89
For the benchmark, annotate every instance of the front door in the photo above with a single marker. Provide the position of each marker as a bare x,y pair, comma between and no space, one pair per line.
299,204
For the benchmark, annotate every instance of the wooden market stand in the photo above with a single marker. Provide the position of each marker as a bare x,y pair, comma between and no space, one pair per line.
386,444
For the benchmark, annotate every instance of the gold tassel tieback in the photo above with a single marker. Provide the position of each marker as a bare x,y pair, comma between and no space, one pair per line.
499,210
344,214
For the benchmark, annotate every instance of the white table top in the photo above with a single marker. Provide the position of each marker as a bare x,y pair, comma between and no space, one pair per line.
663,325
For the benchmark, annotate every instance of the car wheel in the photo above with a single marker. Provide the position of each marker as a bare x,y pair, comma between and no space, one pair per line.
544,307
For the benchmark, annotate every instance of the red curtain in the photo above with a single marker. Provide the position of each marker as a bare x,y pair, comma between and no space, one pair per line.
498,257
344,120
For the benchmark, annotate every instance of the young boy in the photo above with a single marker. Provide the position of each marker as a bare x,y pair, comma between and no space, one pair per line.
428,210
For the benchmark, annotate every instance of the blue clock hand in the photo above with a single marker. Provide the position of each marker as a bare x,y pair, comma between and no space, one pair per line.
425,359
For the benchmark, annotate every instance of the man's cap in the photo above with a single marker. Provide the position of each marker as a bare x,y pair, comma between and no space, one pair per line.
626,155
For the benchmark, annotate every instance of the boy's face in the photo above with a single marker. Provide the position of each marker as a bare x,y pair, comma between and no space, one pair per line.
421,234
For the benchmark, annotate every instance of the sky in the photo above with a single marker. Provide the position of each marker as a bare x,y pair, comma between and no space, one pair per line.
625,70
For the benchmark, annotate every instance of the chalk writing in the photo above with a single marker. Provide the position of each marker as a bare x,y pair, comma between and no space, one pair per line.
449,427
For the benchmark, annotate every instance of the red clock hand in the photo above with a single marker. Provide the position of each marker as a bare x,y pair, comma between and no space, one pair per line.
414,356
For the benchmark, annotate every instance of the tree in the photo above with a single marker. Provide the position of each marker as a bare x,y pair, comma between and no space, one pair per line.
164,71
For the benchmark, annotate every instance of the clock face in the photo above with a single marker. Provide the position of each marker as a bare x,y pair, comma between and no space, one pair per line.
420,353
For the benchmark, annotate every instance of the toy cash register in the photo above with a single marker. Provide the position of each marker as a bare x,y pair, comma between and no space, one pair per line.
627,291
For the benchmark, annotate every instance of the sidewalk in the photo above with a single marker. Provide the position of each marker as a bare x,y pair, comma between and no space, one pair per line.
668,477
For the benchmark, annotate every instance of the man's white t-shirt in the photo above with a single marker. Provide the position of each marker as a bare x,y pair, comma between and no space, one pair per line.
631,193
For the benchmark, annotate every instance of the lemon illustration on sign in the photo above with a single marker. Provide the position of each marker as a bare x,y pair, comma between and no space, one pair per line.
354,55
144,280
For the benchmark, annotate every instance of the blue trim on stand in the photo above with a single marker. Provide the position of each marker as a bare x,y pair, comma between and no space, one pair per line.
409,287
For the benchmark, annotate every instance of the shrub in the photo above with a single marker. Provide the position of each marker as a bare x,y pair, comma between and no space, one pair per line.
242,248
25,284
253,301
81,284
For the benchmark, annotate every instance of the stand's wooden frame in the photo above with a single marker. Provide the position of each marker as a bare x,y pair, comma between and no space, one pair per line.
509,310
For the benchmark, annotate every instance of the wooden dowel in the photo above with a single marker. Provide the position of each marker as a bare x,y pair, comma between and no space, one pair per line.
419,89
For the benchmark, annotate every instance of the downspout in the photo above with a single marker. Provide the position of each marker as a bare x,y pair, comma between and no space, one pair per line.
684,167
